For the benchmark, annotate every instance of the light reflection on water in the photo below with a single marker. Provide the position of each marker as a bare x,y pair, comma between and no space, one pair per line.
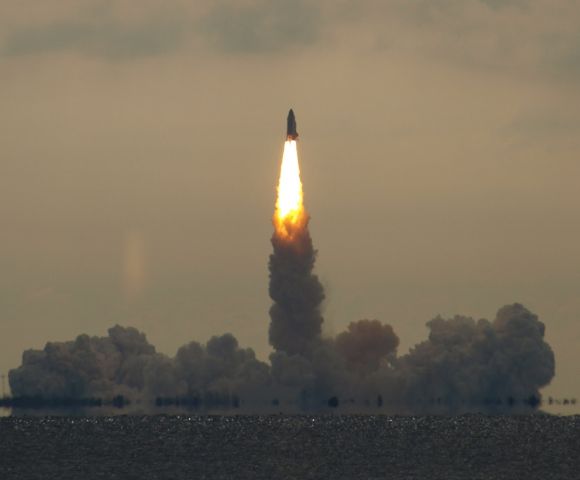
5,412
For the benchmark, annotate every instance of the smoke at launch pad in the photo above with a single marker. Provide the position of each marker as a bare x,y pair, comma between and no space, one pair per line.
463,365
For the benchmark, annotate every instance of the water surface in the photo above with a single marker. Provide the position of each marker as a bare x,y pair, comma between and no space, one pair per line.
281,446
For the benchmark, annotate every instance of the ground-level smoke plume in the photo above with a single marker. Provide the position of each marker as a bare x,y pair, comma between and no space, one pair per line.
125,363
464,365
470,361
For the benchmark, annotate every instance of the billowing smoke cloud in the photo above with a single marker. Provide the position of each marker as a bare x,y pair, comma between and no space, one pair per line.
366,344
464,365
124,363
87,366
296,320
220,367
470,361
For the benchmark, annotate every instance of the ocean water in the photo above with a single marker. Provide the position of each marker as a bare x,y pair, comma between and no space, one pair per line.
296,446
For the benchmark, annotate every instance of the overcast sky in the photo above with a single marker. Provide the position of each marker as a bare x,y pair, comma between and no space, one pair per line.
140,144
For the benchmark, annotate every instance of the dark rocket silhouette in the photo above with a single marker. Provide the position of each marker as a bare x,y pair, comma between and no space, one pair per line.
291,133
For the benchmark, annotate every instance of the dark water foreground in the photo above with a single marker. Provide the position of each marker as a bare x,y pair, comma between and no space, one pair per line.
276,447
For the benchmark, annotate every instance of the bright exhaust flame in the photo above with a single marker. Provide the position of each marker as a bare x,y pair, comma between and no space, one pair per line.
289,205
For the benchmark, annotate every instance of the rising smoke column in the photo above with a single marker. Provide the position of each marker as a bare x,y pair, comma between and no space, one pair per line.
296,321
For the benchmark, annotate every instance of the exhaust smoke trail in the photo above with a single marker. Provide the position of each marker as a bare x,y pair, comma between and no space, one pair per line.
296,320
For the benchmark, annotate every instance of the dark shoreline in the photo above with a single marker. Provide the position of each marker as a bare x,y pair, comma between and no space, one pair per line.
233,404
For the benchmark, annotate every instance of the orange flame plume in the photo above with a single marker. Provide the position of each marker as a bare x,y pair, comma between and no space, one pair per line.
290,215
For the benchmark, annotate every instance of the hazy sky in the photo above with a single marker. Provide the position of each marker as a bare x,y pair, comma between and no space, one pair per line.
140,144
